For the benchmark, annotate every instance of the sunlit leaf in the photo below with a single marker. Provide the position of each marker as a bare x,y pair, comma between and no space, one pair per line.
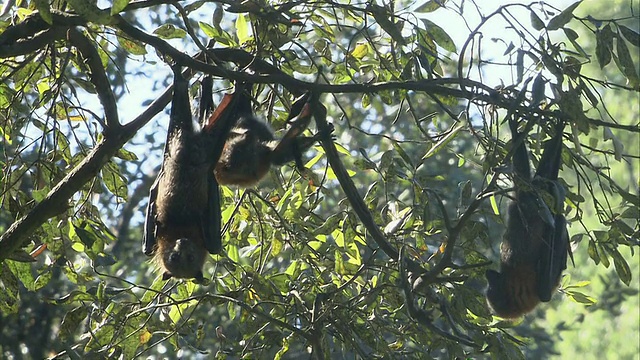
118,6
133,47
169,31
242,29
430,6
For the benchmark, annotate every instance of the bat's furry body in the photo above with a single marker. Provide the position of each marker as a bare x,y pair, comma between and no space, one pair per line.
534,250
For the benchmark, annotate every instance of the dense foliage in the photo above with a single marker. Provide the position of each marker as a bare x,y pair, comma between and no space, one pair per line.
380,248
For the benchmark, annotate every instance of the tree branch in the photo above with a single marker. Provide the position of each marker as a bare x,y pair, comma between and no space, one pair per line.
30,45
56,200
98,78
347,185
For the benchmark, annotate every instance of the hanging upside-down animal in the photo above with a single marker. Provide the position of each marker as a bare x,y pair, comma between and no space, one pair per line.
251,147
535,246
183,220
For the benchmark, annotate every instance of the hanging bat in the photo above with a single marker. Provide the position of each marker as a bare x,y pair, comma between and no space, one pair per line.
251,147
183,215
535,245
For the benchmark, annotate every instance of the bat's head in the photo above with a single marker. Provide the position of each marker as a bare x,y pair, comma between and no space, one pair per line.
496,291
183,260
245,159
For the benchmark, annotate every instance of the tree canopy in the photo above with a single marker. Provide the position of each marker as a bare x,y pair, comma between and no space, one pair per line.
379,248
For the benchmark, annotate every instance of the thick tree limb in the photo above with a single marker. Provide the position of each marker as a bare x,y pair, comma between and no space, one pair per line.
348,186
32,44
98,78
56,201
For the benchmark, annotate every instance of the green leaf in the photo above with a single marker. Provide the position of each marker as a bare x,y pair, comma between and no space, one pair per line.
519,66
573,36
339,263
194,6
570,33
403,154
133,47
9,302
22,270
276,246
366,101
440,36
563,18
430,6
537,90
360,51
114,181
494,205
631,213
283,350
91,12
586,90
631,36
232,252
624,228
622,268
383,18
208,30
242,29
618,146
217,34
71,322
118,6
42,280
102,334
44,9
465,190
625,62
592,250
126,155
444,140
169,31
536,23
579,284
604,44
88,238
581,298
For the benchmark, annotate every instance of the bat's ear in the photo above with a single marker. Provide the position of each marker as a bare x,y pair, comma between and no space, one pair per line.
243,102
206,98
167,275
